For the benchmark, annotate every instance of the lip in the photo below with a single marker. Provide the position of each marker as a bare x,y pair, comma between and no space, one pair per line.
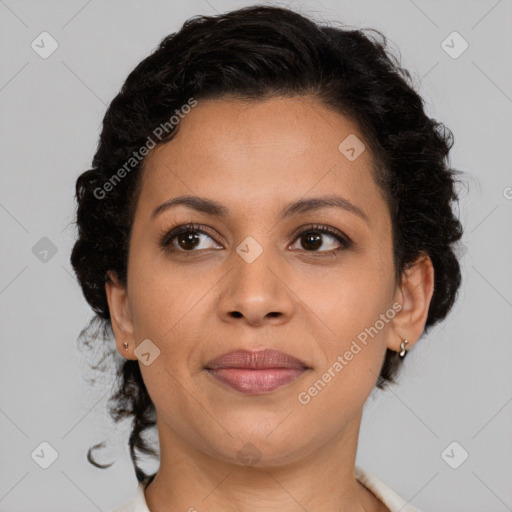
255,360
255,372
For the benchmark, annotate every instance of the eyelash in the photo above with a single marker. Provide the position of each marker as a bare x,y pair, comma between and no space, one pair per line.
167,239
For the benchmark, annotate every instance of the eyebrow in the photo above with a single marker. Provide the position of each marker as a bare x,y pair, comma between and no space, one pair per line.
216,209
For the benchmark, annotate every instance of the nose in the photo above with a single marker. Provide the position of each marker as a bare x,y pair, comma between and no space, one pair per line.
256,292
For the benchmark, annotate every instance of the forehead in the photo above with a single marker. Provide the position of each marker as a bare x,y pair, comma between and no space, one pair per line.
249,154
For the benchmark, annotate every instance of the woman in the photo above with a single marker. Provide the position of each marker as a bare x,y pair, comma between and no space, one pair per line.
266,229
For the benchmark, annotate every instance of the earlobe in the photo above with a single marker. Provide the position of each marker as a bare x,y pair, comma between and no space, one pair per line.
120,316
414,294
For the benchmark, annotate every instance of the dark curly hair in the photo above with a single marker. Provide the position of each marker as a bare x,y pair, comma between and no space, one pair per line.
254,53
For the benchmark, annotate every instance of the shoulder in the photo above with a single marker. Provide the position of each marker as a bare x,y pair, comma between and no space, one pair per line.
388,496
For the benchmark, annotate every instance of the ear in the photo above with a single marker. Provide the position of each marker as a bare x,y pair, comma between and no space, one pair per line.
120,315
414,294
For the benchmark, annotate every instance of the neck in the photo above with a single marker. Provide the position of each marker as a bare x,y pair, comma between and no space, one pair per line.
321,480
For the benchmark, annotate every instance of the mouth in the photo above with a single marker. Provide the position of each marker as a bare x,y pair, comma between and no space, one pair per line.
254,372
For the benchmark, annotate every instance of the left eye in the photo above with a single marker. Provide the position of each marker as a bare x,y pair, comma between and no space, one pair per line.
312,239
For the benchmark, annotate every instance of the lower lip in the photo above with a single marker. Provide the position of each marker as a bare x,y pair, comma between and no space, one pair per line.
256,381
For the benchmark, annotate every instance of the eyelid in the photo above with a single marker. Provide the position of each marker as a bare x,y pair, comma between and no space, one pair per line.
345,241
169,234
323,228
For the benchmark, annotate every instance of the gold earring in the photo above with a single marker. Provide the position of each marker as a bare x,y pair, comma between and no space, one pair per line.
403,350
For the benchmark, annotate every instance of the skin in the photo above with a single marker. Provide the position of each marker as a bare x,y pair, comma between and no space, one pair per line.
254,158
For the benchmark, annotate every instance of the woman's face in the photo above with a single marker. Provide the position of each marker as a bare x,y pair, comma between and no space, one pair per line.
251,281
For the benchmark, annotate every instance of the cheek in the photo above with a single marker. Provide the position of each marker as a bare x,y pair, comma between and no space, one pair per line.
353,347
162,295
351,297
353,311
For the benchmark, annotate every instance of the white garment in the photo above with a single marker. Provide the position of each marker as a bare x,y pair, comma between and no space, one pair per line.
385,494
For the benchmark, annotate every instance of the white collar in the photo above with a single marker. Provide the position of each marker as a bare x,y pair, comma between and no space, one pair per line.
390,498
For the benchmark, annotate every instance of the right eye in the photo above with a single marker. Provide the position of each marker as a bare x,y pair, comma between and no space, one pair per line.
186,239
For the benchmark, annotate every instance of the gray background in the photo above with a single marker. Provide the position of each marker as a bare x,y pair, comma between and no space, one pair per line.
456,385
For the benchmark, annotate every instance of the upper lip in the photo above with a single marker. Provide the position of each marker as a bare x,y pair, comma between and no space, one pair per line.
255,360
